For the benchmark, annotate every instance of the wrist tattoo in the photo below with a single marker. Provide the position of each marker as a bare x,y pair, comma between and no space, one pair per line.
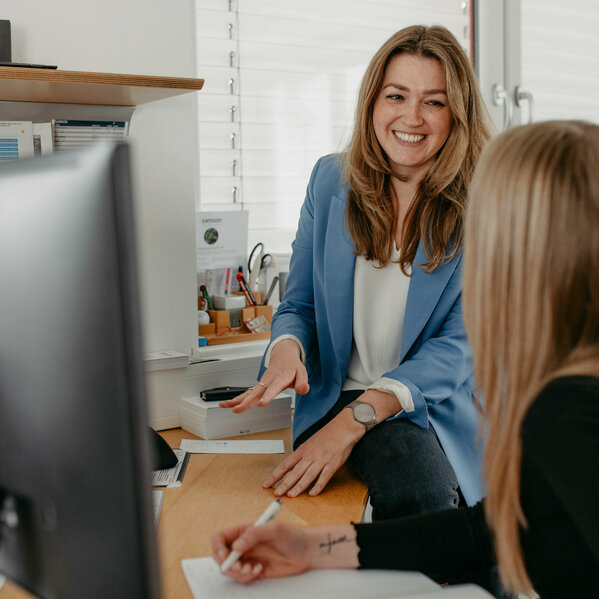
328,546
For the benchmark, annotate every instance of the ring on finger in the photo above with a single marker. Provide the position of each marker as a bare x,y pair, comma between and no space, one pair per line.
261,385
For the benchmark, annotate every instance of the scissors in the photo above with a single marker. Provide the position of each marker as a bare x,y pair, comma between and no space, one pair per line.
257,268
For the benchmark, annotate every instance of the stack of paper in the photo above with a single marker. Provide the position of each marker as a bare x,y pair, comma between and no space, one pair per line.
209,421
165,360
71,134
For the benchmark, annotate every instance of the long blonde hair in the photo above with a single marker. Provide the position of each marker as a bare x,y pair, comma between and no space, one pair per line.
531,294
436,214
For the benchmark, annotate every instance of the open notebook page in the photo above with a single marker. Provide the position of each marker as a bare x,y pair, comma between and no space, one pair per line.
206,582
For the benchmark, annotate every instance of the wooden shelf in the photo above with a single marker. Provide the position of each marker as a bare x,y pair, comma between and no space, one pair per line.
78,87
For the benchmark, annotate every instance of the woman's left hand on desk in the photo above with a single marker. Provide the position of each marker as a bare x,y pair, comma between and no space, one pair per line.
318,458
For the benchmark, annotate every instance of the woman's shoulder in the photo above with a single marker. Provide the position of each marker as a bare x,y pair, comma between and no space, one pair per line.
563,389
325,185
330,163
327,173
564,404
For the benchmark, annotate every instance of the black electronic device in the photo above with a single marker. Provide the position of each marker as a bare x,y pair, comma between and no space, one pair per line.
5,41
26,65
164,457
221,393
76,510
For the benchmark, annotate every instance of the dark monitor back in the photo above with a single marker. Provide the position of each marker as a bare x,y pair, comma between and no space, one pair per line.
75,487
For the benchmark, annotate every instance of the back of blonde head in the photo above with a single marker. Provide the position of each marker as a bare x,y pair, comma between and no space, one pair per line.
531,293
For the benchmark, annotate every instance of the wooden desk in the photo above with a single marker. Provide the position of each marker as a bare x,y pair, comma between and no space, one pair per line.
221,489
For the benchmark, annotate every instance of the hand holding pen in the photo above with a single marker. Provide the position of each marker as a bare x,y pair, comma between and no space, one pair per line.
267,550
274,549
269,513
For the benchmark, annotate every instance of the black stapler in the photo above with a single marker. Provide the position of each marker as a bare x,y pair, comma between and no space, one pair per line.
221,393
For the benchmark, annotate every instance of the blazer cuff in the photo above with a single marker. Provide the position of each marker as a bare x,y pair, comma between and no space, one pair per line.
403,394
280,338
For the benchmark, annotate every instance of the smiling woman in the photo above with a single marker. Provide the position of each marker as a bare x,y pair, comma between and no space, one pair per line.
369,167
370,332
399,192
412,121
411,117
378,245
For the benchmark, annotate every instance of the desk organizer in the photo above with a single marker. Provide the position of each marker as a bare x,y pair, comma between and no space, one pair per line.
219,330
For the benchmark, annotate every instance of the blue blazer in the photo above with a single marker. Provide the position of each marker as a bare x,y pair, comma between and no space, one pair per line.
436,359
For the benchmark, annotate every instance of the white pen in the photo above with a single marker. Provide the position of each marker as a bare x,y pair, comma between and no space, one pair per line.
269,513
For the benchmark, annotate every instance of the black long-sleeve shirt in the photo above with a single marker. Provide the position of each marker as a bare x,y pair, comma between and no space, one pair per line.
559,495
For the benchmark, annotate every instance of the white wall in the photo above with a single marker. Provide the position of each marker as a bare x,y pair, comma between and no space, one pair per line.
145,37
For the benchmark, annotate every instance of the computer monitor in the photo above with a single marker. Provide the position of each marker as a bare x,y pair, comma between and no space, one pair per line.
76,516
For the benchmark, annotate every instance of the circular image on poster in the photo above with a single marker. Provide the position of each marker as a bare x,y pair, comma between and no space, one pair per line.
211,236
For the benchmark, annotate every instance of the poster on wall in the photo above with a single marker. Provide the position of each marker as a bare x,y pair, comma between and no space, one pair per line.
221,248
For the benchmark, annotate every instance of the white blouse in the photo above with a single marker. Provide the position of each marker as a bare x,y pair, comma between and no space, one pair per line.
380,296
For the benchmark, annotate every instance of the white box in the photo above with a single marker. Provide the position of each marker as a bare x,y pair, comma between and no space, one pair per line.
209,421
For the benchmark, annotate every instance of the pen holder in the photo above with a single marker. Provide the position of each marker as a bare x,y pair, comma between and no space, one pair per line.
219,330
204,330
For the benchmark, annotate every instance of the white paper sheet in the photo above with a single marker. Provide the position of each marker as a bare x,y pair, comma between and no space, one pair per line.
206,582
224,446
221,240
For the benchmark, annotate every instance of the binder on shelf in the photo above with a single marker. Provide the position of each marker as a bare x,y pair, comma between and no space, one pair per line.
16,140
72,134
209,421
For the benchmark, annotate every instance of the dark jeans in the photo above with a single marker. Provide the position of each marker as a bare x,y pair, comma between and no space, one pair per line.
407,473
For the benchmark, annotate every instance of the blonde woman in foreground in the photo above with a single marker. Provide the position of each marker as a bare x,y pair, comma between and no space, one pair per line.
531,299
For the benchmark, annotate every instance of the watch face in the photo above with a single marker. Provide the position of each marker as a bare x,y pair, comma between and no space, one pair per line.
364,412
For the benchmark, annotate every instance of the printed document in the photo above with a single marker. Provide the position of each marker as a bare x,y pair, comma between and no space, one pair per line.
223,446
